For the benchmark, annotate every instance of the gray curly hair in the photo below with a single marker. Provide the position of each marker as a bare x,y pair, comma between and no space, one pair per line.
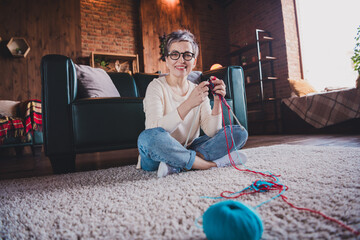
180,36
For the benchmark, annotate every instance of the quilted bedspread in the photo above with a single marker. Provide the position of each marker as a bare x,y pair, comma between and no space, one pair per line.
325,109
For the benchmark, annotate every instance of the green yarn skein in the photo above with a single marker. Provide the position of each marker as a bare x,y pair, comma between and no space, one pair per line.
232,220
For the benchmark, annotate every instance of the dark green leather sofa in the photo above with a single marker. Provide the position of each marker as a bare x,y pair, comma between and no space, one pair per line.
73,126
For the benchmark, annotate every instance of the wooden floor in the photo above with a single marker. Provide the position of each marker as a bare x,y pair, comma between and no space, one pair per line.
28,166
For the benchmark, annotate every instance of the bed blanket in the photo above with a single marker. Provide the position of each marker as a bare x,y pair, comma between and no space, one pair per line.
11,127
33,116
17,129
326,109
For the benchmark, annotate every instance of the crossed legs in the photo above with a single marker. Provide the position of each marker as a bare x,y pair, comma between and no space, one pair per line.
157,145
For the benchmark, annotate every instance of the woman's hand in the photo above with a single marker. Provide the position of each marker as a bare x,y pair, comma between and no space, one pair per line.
199,94
219,88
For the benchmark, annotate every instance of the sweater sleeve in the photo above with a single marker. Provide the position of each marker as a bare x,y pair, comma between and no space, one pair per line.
209,123
154,108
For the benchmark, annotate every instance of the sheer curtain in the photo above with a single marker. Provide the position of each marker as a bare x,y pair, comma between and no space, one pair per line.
327,31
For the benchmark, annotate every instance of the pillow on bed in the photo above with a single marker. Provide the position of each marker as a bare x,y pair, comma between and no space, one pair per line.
301,87
94,82
9,108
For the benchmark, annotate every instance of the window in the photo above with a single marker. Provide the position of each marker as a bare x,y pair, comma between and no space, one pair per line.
327,37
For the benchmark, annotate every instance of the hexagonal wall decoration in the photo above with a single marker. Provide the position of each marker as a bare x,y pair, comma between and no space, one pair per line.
18,47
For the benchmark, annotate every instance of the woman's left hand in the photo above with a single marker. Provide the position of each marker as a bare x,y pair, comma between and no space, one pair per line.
219,88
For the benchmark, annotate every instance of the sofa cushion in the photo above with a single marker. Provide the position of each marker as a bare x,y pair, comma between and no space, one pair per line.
142,81
122,120
125,84
94,82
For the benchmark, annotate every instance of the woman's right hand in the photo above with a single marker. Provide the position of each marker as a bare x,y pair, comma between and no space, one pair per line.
199,94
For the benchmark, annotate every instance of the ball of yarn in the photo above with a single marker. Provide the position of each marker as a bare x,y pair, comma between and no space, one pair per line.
232,220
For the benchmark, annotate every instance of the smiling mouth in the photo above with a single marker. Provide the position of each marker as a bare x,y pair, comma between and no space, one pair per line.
180,67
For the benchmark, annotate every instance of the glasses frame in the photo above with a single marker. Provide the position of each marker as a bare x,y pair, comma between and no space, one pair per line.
192,55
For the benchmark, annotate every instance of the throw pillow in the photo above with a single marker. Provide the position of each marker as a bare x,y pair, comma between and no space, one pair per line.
94,82
301,87
195,77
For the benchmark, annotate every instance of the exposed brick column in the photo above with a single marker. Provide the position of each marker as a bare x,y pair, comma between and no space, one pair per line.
109,26
292,39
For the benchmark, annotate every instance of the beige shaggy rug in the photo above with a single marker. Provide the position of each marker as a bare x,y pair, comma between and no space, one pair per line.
125,203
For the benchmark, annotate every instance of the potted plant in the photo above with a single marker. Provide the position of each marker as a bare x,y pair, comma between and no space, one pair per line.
104,63
18,51
356,57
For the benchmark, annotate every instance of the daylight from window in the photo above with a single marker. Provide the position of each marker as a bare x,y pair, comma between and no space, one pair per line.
327,36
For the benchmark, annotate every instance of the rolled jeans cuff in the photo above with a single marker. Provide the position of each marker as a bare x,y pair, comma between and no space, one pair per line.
189,165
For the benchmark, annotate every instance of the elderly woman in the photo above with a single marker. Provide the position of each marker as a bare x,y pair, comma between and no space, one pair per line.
171,109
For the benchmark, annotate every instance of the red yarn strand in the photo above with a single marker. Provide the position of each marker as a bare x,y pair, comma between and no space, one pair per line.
274,185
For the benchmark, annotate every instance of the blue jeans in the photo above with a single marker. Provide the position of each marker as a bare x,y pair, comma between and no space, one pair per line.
157,145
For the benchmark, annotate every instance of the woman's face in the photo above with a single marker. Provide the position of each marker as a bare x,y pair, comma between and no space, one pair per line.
180,68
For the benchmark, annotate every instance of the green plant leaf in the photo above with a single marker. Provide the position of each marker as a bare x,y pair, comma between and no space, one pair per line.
356,57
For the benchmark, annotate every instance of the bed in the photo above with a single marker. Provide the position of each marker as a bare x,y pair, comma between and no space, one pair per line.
328,112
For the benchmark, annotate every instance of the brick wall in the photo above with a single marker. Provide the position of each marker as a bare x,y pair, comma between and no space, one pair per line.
266,15
279,18
113,26
292,39
109,26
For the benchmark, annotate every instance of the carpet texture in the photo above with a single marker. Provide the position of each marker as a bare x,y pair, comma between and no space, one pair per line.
125,203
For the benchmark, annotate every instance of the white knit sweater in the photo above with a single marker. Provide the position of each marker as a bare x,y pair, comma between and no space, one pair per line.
160,107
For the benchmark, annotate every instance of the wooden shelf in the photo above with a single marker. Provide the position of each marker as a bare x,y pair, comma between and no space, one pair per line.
18,47
260,103
267,79
267,38
250,46
111,62
268,58
256,64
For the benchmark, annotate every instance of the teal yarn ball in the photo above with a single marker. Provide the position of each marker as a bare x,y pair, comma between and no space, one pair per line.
231,220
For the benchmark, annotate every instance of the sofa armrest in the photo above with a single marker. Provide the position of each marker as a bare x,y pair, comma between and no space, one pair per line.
59,87
102,124
233,77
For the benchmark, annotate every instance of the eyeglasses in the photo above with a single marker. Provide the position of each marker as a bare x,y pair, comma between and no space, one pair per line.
175,55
